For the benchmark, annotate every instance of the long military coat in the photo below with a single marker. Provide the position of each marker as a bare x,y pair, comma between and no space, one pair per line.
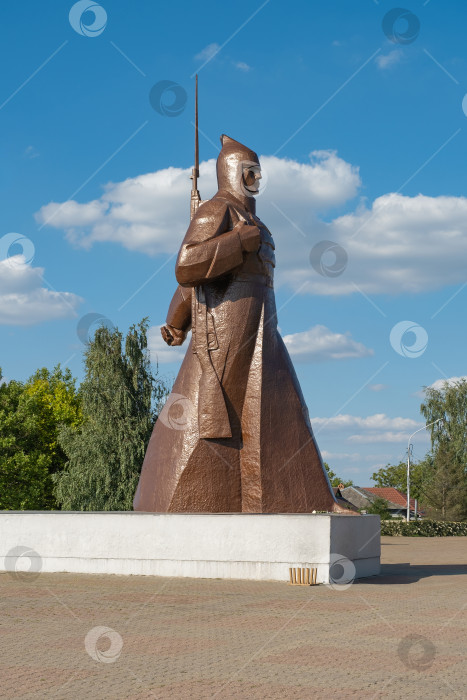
235,433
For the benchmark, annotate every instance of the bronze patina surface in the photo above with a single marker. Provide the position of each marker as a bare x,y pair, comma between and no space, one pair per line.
243,441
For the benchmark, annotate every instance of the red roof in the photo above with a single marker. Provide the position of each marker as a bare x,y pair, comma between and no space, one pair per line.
389,493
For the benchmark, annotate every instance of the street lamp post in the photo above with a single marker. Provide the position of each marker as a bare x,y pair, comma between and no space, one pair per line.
408,464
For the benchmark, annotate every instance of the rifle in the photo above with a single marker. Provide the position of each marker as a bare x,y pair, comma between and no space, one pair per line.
179,315
195,196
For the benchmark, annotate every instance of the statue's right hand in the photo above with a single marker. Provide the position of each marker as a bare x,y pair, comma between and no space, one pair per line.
172,336
250,237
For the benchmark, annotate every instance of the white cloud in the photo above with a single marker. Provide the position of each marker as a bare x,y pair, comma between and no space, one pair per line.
353,457
385,61
452,381
326,181
242,66
386,436
439,384
81,215
341,455
150,213
163,353
397,244
208,52
316,345
371,458
377,428
378,421
31,152
377,387
23,299
319,344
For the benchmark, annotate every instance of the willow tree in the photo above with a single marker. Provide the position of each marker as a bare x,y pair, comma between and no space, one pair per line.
120,396
447,489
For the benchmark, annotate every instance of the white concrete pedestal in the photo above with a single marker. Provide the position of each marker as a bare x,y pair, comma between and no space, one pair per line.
224,545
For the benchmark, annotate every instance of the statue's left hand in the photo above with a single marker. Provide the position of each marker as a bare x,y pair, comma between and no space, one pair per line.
172,336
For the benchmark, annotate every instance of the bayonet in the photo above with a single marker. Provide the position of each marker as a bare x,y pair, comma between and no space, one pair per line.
195,196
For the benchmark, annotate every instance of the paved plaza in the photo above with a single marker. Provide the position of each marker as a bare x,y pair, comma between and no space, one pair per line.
399,635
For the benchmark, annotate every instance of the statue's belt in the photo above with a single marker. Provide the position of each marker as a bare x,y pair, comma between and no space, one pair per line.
254,278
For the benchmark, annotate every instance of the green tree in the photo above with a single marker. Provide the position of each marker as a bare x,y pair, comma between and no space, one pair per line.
334,479
120,397
379,507
56,402
396,476
446,491
31,416
443,488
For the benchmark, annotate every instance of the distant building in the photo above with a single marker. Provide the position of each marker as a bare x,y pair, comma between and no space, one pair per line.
362,498
340,498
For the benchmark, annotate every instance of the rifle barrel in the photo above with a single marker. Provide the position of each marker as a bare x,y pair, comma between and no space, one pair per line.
196,129
195,198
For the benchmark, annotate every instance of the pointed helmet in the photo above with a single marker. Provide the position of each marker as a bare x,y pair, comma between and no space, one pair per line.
232,160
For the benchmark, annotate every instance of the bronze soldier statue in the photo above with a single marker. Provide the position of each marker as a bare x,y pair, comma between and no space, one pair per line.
240,438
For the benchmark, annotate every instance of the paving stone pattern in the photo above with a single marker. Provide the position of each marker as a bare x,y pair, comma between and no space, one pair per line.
399,635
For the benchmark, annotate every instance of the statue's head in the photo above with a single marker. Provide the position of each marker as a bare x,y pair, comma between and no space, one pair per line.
238,170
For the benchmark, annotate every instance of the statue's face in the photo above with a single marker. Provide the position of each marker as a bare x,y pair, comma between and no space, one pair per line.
250,179
238,170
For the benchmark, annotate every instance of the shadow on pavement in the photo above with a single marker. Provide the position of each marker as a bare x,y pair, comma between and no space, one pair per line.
410,573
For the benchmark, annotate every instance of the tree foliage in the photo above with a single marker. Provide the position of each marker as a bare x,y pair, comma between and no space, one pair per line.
396,475
447,488
31,417
120,397
379,507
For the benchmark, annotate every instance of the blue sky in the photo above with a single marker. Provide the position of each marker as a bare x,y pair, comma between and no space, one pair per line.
363,142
